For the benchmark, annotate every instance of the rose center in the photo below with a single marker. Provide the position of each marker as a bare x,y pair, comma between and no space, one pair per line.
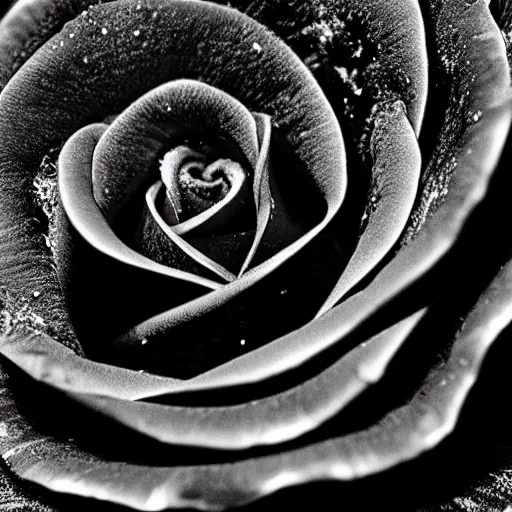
195,180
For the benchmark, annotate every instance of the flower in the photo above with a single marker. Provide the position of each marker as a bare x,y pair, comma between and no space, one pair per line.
178,254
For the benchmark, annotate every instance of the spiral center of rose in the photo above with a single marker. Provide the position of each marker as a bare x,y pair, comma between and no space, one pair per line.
195,180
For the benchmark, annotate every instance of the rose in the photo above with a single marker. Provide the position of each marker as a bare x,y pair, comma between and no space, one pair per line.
477,123
98,369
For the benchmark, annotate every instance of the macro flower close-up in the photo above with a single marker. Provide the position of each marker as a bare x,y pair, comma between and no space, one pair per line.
255,254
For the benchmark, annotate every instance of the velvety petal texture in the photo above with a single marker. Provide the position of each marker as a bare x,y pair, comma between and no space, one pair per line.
234,242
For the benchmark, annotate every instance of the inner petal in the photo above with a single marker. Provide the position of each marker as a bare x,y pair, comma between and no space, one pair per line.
194,183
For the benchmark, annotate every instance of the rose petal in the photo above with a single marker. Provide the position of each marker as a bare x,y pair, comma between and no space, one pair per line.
396,172
271,420
477,151
75,180
423,422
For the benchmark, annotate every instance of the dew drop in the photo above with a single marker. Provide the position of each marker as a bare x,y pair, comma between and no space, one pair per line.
242,342
144,341
474,117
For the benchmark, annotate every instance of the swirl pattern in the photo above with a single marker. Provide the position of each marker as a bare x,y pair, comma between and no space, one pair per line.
222,228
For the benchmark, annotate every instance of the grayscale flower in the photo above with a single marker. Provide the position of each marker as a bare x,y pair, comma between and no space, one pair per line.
245,247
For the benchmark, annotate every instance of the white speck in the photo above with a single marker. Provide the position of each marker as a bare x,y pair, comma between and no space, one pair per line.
407,80
36,294
477,116
71,35
136,33
3,430
323,39
242,342
62,43
107,190
144,341
138,7
86,60
342,71
358,92
256,47
358,52
104,31
283,292
141,371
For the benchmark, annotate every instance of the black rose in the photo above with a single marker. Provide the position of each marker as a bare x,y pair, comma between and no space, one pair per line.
195,260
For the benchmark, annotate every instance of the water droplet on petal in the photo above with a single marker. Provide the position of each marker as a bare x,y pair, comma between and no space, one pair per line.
474,117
